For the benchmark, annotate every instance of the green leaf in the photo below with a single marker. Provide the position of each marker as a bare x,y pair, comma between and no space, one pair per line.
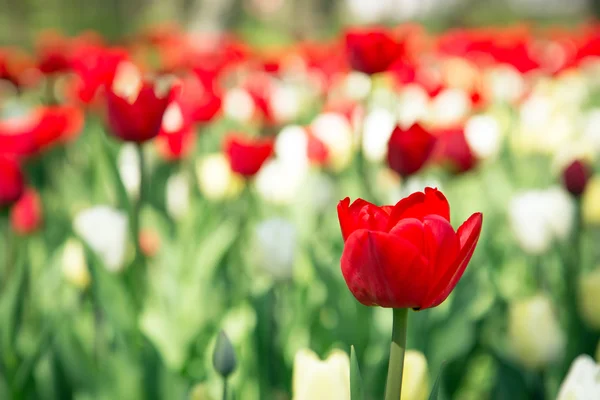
435,390
11,306
357,390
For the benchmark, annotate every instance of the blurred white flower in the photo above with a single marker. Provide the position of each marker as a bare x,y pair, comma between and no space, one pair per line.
238,105
582,381
378,127
285,102
413,105
415,380
278,182
276,241
589,298
128,163
449,107
538,217
336,133
316,379
104,229
527,318
215,178
504,83
74,266
128,81
173,118
591,128
357,85
178,195
321,189
484,136
291,146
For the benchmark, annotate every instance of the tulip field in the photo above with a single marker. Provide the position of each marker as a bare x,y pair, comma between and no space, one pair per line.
388,213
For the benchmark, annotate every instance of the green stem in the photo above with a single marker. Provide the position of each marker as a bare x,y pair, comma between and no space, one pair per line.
393,387
225,387
363,169
138,205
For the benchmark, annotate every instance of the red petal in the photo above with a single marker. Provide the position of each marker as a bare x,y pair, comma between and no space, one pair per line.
361,215
468,235
419,204
384,270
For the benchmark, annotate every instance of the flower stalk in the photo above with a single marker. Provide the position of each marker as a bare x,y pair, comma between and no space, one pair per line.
393,387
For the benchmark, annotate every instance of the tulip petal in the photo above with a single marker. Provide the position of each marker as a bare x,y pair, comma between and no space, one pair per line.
361,215
420,204
383,269
468,235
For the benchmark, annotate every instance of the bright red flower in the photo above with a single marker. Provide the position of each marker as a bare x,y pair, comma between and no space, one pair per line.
26,214
53,53
12,182
407,255
175,145
372,51
137,119
409,149
452,150
247,155
576,176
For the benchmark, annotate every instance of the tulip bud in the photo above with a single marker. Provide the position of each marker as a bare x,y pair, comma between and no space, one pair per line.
415,381
409,149
26,214
74,266
178,196
582,381
589,298
224,360
215,178
316,379
105,231
526,319
575,177
276,247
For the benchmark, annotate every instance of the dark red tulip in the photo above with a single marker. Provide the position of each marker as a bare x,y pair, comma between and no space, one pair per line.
26,214
12,182
407,255
452,151
575,177
372,51
136,118
409,149
247,155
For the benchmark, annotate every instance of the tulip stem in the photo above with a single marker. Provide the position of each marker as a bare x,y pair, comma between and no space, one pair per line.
225,387
138,204
393,387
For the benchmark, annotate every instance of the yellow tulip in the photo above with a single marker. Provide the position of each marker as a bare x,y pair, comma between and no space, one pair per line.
589,298
591,202
314,379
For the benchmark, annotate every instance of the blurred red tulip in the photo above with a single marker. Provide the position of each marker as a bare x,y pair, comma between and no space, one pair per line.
54,52
17,67
409,149
12,182
452,151
247,155
26,214
576,176
136,117
198,98
407,255
372,51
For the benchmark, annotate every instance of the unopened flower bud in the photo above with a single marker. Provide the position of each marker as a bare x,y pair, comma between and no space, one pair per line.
224,360
575,177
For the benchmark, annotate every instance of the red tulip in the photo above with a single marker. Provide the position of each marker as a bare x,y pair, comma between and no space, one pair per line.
576,176
247,155
26,214
138,119
372,51
407,255
53,53
409,150
176,145
12,182
17,67
452,150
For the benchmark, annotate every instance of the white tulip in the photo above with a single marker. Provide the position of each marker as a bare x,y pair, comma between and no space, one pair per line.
526,319
278,182
413,105
378,127
178,196
128,163
484,136
336,133
315,379
238,105
286,102
505,83
357,85
276,241
449,107
105,230
582,381
74,266
216,180
291,146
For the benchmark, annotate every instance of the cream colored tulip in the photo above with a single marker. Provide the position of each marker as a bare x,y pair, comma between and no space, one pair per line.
415,380
74,266
589,298
216,180
591,202
582,381
315,379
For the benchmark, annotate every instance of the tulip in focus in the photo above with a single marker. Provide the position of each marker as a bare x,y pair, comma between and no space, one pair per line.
316,379
527,319
12,182
105,230
582,381
74,265
276,241
409,149
247,155
26,214
575,177
407,255
589,298
415,380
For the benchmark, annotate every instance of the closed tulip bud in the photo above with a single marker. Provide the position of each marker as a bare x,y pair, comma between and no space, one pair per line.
589,298
276,247
316,379
409,149
575,177
224,360
591,201
74,266
415,381
26,215
178,196
527,318
104,229
216,180
582,381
